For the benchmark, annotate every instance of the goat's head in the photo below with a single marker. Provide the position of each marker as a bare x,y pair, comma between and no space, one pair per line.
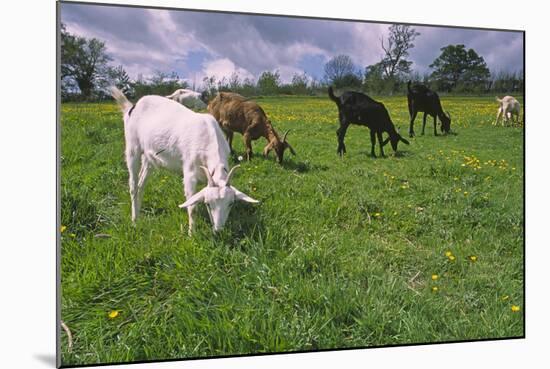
394,138
445,122
219,198
279,146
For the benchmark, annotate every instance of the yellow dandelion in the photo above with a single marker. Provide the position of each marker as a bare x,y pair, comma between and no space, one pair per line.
465,193
113,314
515,308
473,258
452,258
377,214
63,228
448,254
435,289
434,277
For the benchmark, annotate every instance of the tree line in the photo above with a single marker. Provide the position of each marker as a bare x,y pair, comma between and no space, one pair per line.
86,71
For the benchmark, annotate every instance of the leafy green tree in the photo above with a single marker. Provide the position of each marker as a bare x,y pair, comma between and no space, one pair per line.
341,72
459,67
376,80
268,82
84,62
160,83
299,84
121,79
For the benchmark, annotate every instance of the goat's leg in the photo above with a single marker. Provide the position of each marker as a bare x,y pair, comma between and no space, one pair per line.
380,142
373,142
423,122
229,137
411,127
341,133
133,162
435,125
499,114
189,187
248,144
143,173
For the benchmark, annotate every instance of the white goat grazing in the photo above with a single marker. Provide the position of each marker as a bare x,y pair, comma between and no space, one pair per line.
161,132
508,107
189,98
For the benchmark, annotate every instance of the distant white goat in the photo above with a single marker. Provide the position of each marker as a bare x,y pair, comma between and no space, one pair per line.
508,107
189,98
161,132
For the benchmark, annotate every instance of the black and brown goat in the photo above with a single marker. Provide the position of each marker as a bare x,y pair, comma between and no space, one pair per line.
421,99
358,108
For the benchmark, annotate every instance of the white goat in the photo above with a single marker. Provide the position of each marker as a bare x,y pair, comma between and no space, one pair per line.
161,132
508,107
189,98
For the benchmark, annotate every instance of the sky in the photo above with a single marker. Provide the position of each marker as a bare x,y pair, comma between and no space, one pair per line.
198,44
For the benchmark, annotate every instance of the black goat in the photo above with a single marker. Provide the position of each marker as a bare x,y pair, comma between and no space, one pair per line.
358,108
421,99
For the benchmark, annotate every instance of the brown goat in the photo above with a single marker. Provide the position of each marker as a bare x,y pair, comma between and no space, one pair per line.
235,113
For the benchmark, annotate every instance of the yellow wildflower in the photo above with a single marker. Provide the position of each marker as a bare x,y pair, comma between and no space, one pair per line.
434,277
473,258
113,314
435,289
448,254
515,308
63,228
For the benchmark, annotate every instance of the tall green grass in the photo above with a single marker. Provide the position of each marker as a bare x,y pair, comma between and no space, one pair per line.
340,252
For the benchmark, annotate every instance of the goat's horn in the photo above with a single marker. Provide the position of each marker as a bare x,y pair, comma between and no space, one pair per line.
230,174
284,136
208,176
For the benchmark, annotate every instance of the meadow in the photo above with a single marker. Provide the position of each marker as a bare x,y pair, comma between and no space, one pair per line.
425,246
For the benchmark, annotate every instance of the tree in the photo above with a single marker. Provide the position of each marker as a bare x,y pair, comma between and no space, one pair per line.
121,79
396,50
341,72
299,84
376,80
268,82
456,65
83,61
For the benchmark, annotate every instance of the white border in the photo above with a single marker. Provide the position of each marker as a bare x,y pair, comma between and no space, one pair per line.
27,185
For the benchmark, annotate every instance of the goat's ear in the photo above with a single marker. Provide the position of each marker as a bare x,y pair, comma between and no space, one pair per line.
385,142
198,197
403,140
243,197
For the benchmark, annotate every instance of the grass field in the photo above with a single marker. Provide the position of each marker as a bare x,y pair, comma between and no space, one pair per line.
352,252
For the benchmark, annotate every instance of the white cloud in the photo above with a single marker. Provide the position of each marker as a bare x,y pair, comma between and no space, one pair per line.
224,67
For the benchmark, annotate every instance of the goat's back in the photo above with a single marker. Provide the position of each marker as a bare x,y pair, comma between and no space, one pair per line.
160,124
351,100
423,99
235,112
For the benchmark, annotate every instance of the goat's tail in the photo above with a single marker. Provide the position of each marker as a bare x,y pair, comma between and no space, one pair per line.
124,104
332,96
